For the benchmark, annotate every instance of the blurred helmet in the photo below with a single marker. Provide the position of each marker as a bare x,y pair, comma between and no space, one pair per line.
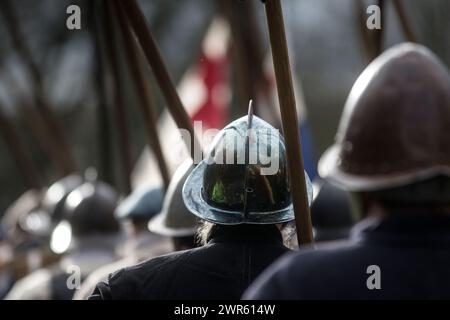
54,198
142,204
90,209
394,130
43,218
244,178
175,220
17,212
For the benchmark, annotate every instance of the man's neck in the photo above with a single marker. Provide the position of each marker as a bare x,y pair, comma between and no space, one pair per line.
379,211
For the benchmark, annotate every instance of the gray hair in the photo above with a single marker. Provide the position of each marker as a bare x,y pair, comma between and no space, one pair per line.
287,229
204,231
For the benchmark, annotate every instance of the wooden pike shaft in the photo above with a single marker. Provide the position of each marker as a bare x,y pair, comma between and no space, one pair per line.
55,131
372,40
368,45
146,100
105,166
118,101
248,59
165,83
245,88
378,33
33,120
278,43
405,23
57,137
17,148
40,132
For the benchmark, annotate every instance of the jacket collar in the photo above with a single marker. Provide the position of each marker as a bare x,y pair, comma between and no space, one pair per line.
245,234
404,229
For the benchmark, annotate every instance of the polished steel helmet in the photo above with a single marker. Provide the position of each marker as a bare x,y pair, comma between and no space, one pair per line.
88,211
18,212
56,194
49,206
395,128
244,178
175,220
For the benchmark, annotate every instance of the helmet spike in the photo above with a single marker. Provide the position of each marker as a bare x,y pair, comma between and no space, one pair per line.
250,113
247,156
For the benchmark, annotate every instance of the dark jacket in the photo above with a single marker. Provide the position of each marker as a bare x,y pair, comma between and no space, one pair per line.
412,252
222,269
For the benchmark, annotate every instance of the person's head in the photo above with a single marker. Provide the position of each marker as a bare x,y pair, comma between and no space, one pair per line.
207,230
392,150
425,196
54,199
243,180
32,217
175,221
139,208
88,213
331,214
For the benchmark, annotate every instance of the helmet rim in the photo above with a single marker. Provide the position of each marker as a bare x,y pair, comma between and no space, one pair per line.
158,226
198,206
329,169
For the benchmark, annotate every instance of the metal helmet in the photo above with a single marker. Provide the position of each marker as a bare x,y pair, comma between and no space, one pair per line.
16,214
175,220
142,204
244,178
394,130
54,198
37,212
90,209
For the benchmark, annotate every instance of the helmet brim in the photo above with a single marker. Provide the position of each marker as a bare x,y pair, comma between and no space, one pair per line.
329,169
157,225
194,201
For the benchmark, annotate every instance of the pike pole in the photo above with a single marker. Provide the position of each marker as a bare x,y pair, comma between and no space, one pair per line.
18,151
148,44
404,22
285,88
146,101
118,101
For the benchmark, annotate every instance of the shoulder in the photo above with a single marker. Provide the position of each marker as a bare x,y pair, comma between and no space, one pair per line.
170,260
35,286
147,279
313,270
100,275
337,252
